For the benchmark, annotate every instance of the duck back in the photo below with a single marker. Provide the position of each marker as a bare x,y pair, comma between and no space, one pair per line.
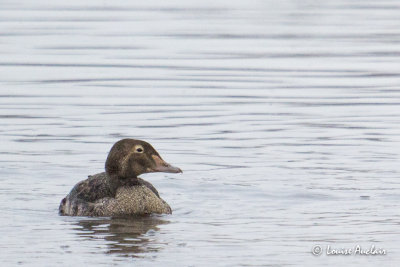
94,197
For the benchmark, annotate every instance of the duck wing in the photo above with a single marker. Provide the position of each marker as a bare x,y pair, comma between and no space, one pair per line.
80,201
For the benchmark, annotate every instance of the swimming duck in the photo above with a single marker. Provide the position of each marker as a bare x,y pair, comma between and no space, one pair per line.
119,191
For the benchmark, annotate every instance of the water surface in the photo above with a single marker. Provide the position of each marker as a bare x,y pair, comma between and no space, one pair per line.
283,115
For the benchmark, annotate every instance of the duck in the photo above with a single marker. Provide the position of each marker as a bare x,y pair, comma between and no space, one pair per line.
119,192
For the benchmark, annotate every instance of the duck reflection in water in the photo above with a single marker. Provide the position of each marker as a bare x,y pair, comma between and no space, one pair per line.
128,236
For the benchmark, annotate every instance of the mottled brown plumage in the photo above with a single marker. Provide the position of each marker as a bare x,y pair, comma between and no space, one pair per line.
119,191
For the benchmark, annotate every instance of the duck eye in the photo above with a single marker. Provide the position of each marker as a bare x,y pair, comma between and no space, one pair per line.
139,149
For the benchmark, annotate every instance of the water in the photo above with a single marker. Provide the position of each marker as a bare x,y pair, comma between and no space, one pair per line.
283,115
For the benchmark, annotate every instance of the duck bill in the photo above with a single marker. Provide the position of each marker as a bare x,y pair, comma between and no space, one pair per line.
162,166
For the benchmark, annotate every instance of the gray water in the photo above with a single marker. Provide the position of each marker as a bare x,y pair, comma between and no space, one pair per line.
283,115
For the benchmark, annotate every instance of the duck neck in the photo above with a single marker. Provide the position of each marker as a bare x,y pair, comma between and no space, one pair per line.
115,182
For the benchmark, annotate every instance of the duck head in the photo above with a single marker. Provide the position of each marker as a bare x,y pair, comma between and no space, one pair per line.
129,158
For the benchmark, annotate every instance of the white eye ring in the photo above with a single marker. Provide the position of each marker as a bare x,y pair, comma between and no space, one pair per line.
139,149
